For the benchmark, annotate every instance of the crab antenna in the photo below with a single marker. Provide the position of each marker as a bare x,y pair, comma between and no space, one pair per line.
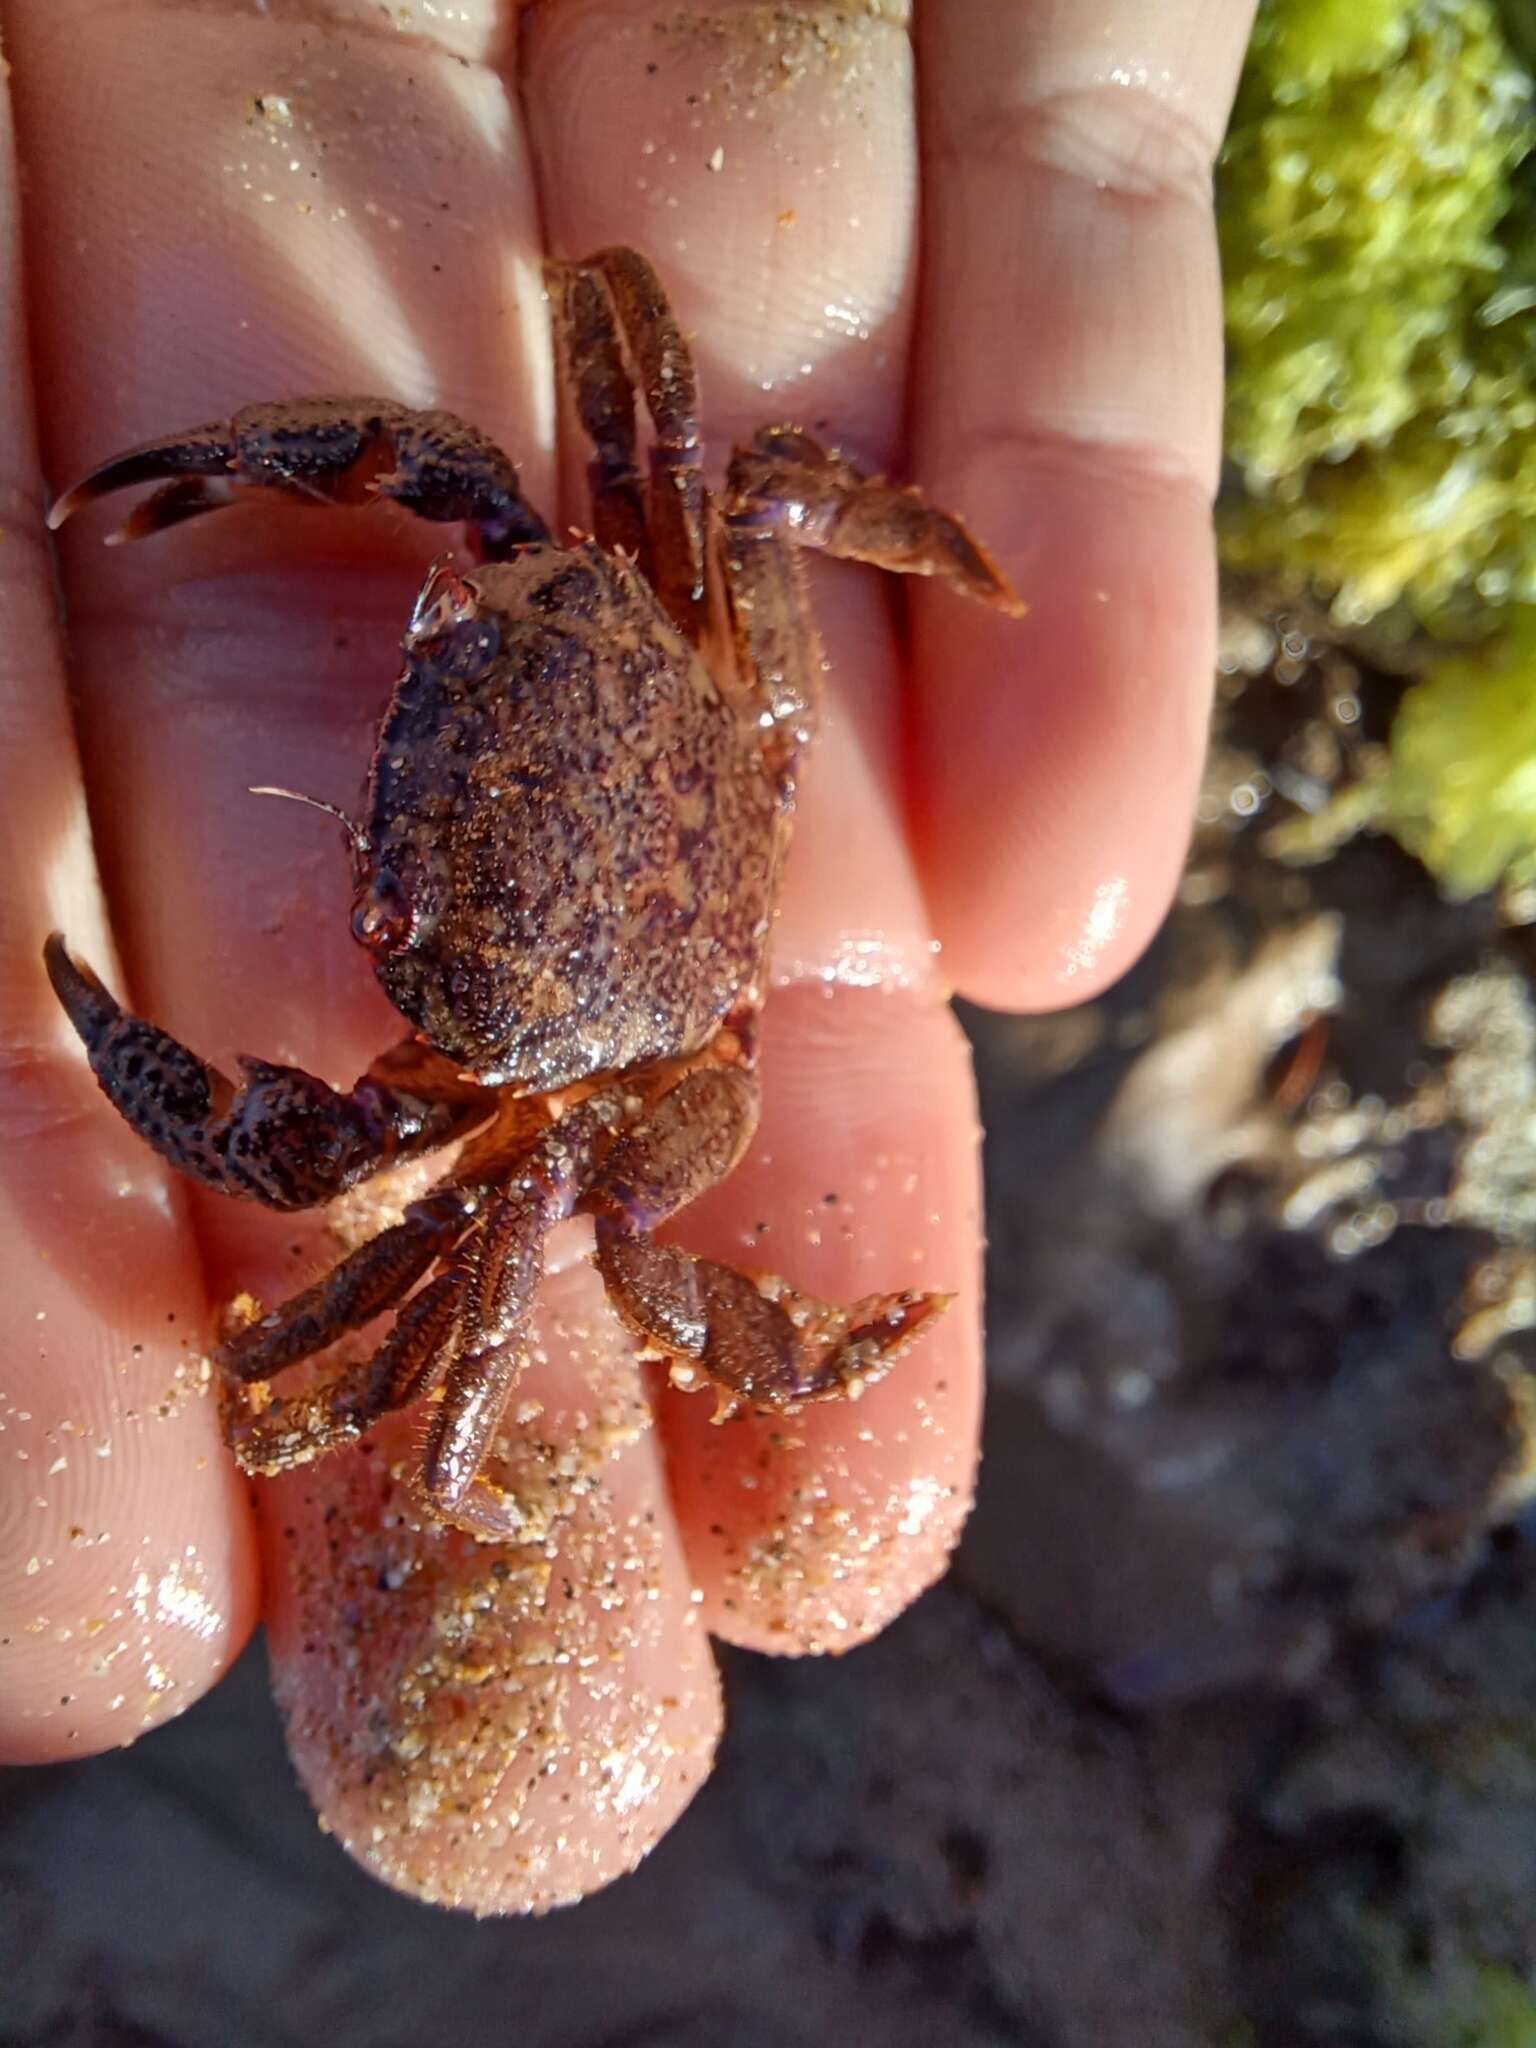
355,833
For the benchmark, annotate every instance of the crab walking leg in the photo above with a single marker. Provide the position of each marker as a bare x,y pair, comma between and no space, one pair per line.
688,1139
373,1278
289,1431
281,1136
499,1267
778,649
498,1282
671,388
785,492
475,1398
334,451
271,1433
786,483
759,1342
604,394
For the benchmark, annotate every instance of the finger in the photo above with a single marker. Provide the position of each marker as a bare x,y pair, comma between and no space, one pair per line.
791,269
499,1727
767,164
811,1532
376,232
126,1574
1068,402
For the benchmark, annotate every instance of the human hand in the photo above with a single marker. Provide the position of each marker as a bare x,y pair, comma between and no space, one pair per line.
277,203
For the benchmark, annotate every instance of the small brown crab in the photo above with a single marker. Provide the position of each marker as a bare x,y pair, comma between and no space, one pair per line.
577,816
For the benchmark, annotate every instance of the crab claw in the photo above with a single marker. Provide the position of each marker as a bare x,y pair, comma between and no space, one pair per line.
279,1136
198,464
759,1342
325,451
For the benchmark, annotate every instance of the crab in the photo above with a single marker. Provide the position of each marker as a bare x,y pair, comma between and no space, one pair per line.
576,821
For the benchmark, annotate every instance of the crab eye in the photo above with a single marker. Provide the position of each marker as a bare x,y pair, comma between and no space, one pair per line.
382,917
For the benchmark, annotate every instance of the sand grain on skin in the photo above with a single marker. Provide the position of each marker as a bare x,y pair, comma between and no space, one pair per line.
499,1727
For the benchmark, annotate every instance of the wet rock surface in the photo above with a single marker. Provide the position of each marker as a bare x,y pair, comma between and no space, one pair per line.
1222,1734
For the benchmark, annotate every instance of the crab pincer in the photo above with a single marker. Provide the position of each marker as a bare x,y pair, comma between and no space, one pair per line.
322,451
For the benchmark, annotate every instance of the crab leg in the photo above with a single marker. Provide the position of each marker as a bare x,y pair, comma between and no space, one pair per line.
787,484
605,402
675,507
270,1433
777,646
341,451
375,1276
499,1268
784,493
281,1136
757,1340
499,1280
291,1430
761,1343
690,1138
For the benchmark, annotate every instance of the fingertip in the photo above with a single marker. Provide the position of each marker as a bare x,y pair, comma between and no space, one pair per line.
768,169
127,1571
1056,758
810,1533
499,1728
1068,404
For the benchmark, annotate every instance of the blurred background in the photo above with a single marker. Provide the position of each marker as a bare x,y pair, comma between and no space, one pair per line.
1222,1733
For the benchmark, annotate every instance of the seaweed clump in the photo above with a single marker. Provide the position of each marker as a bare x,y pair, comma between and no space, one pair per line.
1378,224
1380,253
